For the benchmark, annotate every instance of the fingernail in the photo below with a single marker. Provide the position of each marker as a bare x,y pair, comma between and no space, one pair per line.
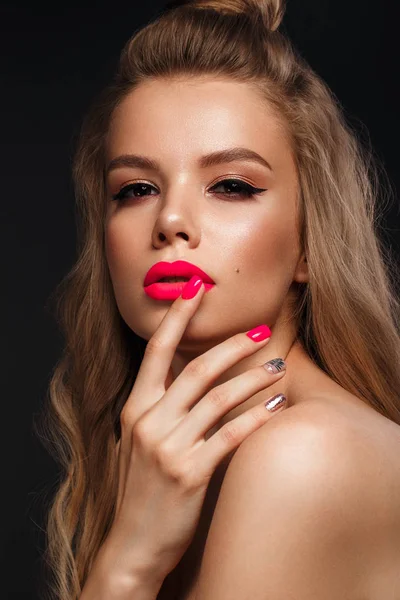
192,287
275,403
276,365
260,333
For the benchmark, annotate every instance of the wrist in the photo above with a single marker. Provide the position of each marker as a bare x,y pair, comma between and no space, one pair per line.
131,587
140,580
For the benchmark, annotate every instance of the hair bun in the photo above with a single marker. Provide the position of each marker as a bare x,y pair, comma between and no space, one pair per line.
271,12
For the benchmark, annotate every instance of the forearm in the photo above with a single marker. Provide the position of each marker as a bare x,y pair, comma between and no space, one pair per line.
104,583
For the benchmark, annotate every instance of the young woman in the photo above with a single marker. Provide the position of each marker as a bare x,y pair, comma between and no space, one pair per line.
218,146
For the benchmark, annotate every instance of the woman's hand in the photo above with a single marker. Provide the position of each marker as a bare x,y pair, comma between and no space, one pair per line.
165,464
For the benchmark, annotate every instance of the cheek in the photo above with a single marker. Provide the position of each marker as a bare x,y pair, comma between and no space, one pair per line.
272,246
267,265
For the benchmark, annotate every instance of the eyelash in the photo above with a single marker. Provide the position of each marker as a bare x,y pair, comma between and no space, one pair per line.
248,191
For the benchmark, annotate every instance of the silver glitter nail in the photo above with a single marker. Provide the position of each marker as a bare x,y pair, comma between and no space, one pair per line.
276,365
275,403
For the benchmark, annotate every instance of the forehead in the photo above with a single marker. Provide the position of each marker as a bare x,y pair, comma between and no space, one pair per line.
190,117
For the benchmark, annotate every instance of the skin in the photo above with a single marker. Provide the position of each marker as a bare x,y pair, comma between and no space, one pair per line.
250,247
259,257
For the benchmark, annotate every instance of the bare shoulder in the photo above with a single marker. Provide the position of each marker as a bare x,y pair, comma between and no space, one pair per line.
340,439
340,419
307,501
355,453
340,429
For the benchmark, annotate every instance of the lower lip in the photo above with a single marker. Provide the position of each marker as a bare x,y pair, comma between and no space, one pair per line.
169,291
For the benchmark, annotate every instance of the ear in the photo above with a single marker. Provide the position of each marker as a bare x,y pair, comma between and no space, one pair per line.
301,273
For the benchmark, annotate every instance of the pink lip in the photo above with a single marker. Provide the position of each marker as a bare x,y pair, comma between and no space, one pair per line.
170,291
179,268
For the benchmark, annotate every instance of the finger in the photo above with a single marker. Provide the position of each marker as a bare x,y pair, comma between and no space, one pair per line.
199,375
160,350
155,374
232,434
223,398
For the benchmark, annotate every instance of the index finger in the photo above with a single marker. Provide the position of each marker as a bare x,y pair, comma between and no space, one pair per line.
155,367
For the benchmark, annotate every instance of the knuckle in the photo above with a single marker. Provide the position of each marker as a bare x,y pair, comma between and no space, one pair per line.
154,345
257,416
217,396
164,452
258,376
186,476
229,434
197,368
177,468
124,418
141,431
166,458
240,343
127,419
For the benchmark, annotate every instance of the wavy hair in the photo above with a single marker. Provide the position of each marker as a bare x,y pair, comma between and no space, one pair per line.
347,314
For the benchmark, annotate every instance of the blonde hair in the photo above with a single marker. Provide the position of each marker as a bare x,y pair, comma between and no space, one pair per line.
347,315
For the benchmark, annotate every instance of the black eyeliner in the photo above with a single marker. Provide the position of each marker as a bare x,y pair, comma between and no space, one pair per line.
246,188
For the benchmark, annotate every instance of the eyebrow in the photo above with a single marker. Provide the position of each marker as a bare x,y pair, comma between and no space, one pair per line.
208,160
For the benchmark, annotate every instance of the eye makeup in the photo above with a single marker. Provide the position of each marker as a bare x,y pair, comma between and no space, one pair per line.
241,189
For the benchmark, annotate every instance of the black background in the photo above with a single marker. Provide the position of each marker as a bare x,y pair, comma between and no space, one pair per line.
54,59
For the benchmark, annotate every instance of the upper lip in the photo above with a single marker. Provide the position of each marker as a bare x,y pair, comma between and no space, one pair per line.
179,268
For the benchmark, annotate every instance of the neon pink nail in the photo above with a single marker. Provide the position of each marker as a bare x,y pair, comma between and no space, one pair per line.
192,287
260,333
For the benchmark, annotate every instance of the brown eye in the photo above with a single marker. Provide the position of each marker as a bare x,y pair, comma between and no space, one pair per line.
138,190
238,188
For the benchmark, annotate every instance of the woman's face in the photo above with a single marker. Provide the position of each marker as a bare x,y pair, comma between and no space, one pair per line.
248,245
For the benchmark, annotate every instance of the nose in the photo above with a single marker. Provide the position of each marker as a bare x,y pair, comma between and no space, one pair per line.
175,222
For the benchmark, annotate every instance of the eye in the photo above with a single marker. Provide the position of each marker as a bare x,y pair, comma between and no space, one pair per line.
238,189
137,189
